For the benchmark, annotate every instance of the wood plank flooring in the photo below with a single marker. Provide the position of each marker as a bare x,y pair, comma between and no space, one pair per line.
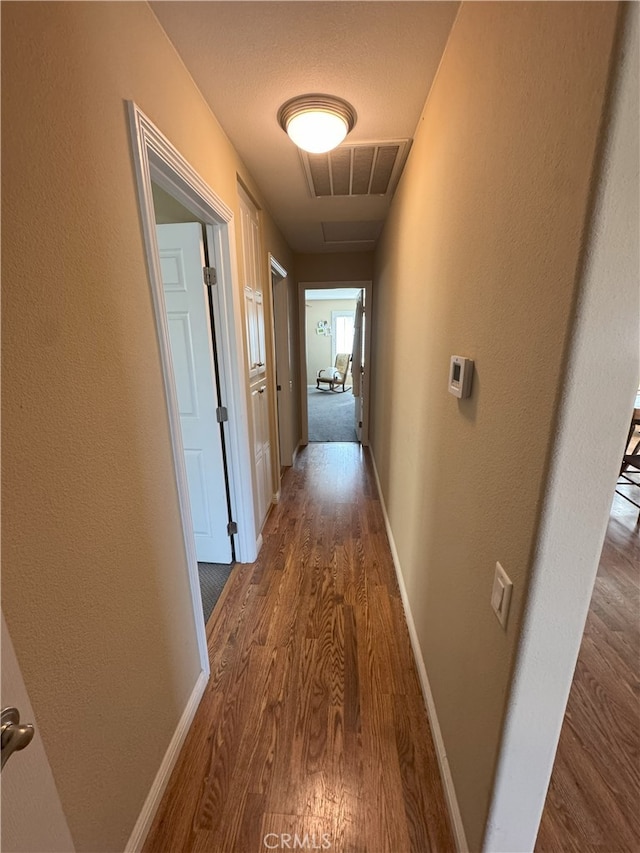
313,722
593,803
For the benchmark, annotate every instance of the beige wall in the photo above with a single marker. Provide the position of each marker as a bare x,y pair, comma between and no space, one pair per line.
596,401
319,347
479,257
95,588
339,266
167,210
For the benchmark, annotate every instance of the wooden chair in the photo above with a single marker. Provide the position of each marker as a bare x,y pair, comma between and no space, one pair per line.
336,375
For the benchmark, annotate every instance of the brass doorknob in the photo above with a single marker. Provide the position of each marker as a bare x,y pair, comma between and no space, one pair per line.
14,736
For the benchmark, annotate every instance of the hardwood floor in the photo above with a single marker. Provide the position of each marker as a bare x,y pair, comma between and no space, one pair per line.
593,803
313,723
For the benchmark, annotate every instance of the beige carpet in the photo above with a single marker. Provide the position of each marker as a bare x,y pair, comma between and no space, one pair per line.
331,415
213,577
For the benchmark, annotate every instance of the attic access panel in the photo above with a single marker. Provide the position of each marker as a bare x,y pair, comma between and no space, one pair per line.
362,169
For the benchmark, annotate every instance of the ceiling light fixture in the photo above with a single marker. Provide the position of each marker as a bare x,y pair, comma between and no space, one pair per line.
317,123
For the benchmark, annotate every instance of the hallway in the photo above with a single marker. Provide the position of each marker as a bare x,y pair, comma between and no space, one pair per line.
313,722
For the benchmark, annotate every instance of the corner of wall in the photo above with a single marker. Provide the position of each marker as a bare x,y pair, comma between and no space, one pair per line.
601,383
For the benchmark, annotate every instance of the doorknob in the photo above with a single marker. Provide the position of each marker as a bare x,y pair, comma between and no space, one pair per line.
14,735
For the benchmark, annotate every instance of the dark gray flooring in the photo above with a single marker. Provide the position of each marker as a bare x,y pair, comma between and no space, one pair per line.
213,577
331,415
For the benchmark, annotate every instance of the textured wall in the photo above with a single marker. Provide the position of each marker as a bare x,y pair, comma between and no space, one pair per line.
95,588
167,209
479,258
339,266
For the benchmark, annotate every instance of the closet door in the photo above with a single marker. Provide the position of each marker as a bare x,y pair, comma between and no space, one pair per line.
252,284
182,259
256,352
257,407
261,349
251,318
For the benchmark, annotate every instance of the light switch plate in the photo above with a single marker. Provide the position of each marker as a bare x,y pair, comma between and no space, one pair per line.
460,376
501,595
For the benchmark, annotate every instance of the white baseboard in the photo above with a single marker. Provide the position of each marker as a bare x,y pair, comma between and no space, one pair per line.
150,807
443,762
295,453
275,499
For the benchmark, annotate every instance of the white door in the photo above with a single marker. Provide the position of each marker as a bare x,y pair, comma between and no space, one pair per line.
262,452
257,409
262,349
358,366
252,283
32,816
266,448
182,260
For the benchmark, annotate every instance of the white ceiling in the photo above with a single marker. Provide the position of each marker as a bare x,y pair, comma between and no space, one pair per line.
247,58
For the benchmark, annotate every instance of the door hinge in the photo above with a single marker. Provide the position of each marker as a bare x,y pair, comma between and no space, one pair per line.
360,424
232,527
222,415
210,276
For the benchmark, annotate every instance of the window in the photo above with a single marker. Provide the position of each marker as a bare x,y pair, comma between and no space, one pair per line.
342,331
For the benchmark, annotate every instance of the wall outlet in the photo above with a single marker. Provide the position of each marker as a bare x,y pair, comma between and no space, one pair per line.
501,595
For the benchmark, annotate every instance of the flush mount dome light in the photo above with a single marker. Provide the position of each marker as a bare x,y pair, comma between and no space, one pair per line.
317,123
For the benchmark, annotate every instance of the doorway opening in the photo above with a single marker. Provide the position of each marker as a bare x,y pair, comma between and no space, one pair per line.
283,360
197,311
184,253
334,357
330,326
604,687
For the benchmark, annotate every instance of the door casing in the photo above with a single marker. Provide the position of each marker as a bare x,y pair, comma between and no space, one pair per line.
367,286
157,160
281,358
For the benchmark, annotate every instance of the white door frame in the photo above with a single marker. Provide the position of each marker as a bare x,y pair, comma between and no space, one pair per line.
282,451
156,159
303,286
